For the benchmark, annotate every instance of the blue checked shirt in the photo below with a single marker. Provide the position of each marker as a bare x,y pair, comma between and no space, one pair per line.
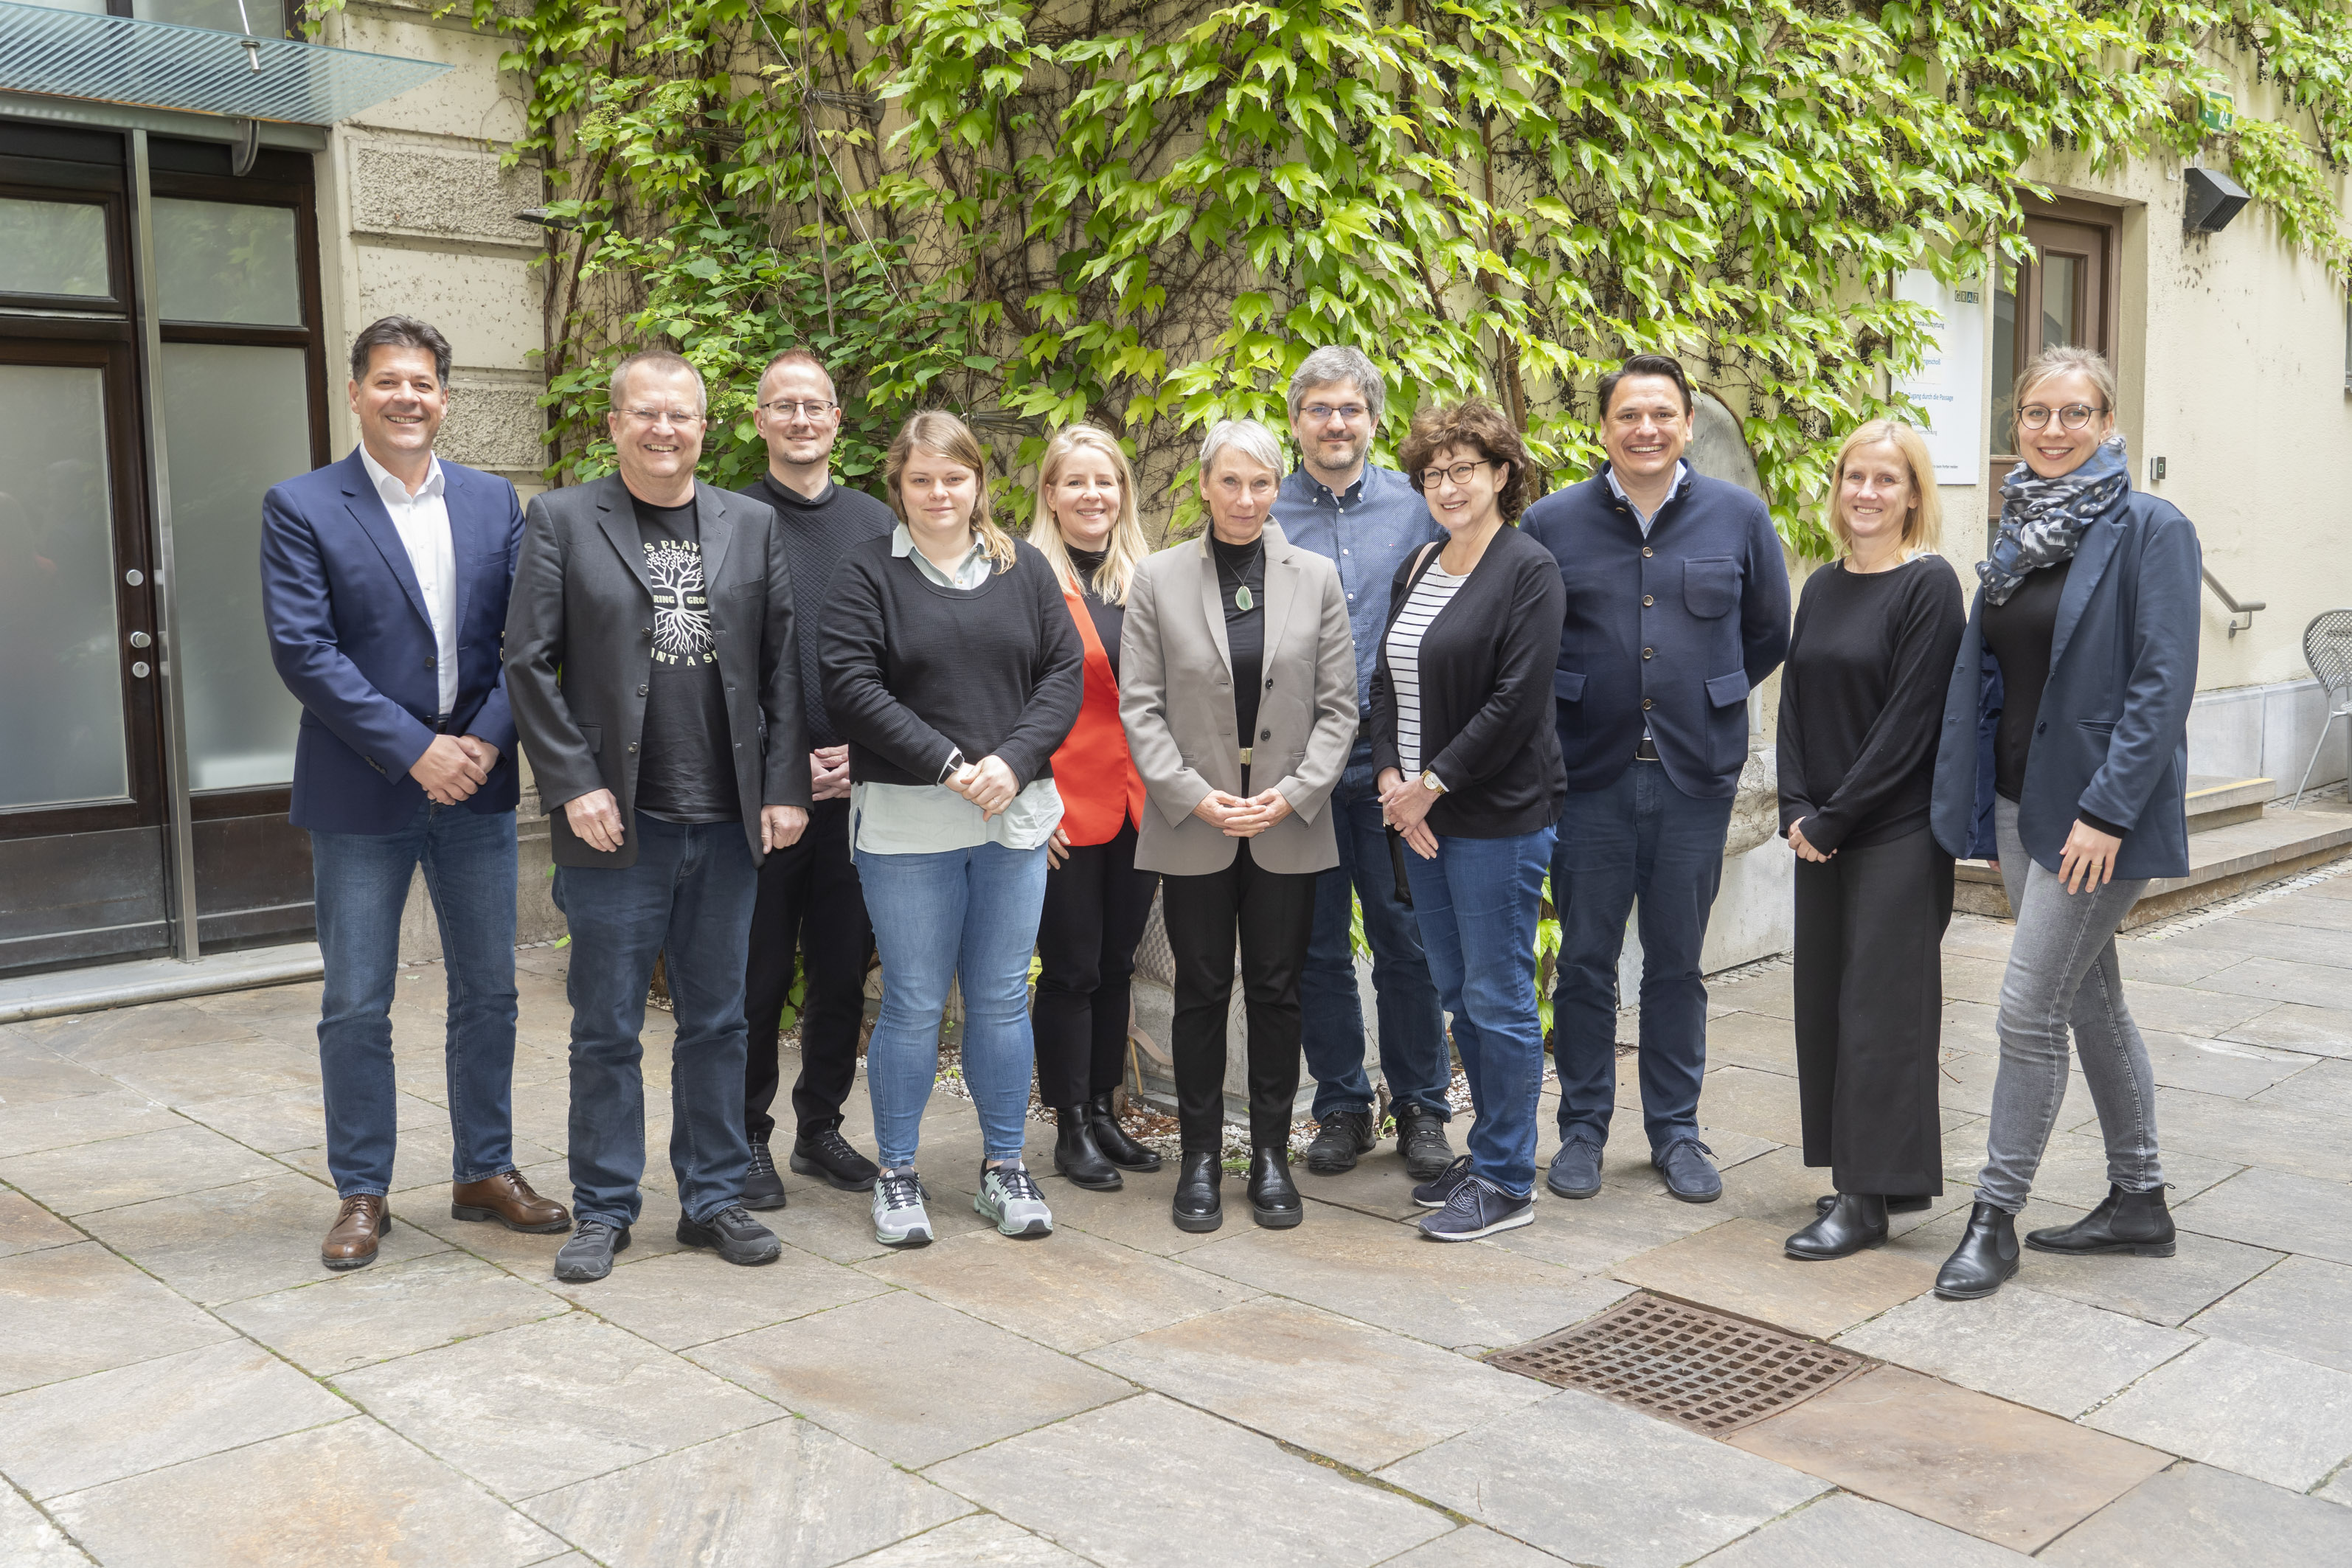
1368,533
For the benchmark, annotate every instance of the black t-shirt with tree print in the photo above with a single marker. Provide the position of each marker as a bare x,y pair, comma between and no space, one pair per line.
684,765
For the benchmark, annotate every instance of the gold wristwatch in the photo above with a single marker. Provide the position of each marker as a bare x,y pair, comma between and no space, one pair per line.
1429,782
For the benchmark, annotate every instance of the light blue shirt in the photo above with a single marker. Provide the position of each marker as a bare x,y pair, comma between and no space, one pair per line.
1644,519
970,573
1368,533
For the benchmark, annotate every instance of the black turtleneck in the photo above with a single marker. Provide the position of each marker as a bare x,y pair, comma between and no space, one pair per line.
1245,629
1109,619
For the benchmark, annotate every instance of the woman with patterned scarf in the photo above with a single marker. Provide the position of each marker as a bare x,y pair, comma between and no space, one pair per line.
2065,760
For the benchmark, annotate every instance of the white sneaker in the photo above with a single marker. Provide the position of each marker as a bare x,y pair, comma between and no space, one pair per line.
1009,1197
899,1217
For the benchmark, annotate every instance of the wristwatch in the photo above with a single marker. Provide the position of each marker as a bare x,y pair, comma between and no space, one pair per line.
1429,781
955,764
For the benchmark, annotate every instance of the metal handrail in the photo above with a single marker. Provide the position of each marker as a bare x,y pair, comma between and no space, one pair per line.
2236,609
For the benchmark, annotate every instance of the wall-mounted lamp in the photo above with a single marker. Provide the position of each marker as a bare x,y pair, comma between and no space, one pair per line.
2213,199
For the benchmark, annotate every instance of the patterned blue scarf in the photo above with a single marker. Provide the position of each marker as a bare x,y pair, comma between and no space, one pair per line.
2043,520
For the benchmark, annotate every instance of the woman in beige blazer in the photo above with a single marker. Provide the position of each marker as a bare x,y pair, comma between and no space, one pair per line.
1237,689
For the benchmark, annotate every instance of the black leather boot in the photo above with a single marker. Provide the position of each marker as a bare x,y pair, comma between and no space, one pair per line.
1076,1156
1112,1139
1916,1203
1854,1221
1273,1197
2124,1222
1986,1256
1198,1206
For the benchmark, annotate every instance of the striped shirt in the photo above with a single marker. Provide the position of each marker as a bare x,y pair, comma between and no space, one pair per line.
1430,595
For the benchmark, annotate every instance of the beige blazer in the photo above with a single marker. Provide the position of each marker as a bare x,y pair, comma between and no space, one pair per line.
1176,702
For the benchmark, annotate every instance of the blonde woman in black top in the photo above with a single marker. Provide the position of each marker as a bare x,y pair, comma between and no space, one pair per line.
1860,702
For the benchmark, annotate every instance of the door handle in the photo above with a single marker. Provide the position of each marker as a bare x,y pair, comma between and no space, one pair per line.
141,639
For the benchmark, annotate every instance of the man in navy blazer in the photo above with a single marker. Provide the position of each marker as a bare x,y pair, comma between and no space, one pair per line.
1677,607
384,581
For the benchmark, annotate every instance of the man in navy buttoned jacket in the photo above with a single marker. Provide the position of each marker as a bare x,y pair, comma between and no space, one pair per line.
1677,606
384,580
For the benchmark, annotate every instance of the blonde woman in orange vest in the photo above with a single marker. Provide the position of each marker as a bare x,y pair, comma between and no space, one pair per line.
1096,900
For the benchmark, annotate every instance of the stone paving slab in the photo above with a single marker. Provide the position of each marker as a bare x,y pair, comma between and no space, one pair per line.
1740,1267
1148,1483
975,1541
159,1164
111,1424
2074,1170
343,1321
1470,1547
291,1118
33,1074
2301,1307
2325,1088
2284,980
1842,1530
44,1124
2021,1345
1984,1466
27,1540
2222,1403
943,1382
2278,1210
2276,1137
26,1227
1597,1483
2194,1516
532,1408
303,1500
679,1299
785,1492
1594,1235
2294,1027
73,1311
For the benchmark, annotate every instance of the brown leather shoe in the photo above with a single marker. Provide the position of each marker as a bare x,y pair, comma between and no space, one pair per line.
351,1242
508,1199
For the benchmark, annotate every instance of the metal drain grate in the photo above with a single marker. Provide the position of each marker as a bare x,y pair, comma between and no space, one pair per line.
1710,1372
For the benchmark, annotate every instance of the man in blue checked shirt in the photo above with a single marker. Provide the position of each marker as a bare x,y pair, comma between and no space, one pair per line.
1369,520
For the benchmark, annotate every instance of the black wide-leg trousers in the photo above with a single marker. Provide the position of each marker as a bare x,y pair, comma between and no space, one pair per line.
1274,912
1097,904
1870,1004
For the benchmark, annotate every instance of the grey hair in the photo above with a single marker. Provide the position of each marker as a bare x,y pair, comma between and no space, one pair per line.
1254,440
662,362
1329,367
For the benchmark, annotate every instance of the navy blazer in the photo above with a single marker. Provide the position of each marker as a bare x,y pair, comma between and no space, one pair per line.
1675,629
2111,736
349,636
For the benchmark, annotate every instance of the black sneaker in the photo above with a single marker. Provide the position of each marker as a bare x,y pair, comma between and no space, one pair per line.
1339,1138
734,1235
830,1155
587,1253
1477,1208
1436,1192
762,1188
1421,1140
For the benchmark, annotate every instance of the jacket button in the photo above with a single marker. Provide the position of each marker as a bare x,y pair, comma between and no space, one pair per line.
1647,552
1646,708
1266,734
429,661
1269,683
2042,728
643,690
632,748
1647,600
1646,652
644,631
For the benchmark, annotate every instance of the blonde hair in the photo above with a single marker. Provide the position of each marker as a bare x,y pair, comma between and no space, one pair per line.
1124,551
943,434
1923,525
2061,358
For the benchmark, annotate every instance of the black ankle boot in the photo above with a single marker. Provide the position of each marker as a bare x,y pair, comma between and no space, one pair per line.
1076,1156
1854,1221
2124,1222
1273,1197
1198,1205
1112,1139
1986,1256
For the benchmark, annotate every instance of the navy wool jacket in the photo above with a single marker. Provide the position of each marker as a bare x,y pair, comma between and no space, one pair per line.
2110,737
1674,630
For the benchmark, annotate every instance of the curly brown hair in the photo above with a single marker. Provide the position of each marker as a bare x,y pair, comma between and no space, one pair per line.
1480,427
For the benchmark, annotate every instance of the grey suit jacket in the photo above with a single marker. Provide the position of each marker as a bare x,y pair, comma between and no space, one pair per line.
579,653
1176,700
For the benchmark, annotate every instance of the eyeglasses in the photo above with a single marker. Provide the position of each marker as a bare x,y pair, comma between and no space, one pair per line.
677,417
1321,413
800,407
2074,417
1459,473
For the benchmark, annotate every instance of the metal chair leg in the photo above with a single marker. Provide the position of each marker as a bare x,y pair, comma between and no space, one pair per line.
2325,726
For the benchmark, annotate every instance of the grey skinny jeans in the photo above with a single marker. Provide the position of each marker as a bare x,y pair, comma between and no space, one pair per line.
2062,970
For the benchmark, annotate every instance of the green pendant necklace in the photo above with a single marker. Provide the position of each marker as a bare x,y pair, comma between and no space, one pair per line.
1242,600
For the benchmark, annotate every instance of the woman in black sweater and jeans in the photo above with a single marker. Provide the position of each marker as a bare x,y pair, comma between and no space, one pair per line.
1470,775
1860,702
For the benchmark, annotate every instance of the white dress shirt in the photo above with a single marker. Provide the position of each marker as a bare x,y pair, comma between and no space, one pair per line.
423,520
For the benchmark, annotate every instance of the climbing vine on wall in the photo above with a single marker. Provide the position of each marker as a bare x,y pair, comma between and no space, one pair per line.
1145,214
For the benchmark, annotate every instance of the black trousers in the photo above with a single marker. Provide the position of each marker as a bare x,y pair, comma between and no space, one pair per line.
1095,906
1870,1006
1274,914
809,903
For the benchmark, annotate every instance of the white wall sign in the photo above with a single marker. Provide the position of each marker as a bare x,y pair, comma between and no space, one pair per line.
1949,385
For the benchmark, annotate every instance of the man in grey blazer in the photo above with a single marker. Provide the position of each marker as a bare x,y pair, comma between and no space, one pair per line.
1237,689
654,677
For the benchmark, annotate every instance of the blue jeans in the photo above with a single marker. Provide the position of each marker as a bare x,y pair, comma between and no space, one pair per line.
1412,1034
688,896
968,912
361,883
1638,839
1478,904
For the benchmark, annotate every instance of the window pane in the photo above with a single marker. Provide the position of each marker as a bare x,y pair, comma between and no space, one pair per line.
2061,287
60,659
217,261
220,14
53,247
86,7
236,421
2004,360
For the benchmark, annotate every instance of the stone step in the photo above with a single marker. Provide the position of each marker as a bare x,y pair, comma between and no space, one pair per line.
2220,802
2223,862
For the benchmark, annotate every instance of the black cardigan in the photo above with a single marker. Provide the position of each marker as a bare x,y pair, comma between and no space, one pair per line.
913,672
1485,692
